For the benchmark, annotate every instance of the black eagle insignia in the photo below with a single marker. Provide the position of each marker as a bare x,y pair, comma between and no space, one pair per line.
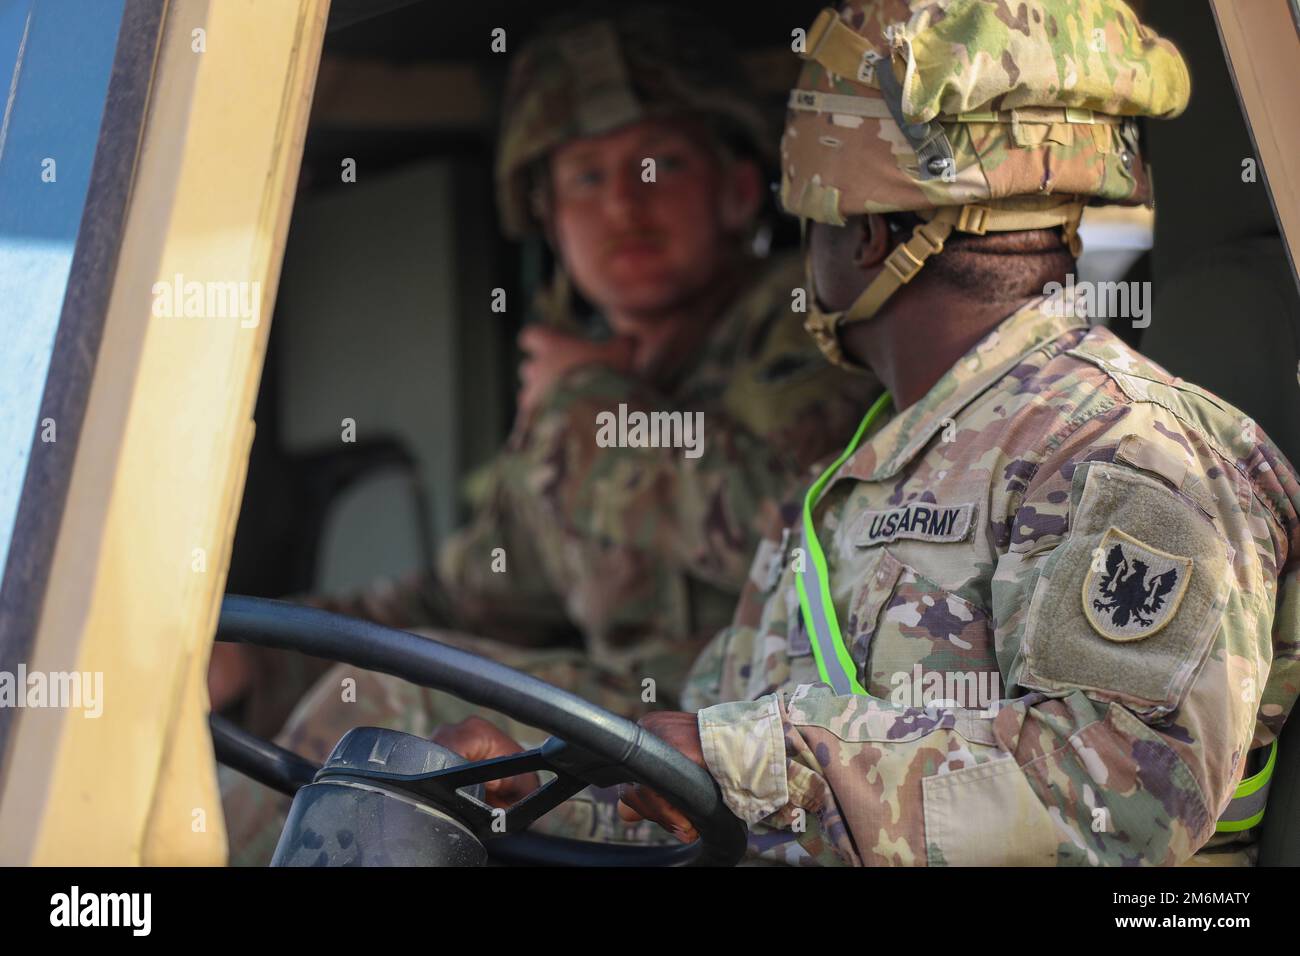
1129,594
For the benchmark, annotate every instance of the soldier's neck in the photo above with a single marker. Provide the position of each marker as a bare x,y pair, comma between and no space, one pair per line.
919,336
665,340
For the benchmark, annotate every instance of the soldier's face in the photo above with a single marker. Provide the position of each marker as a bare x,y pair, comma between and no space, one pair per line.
645,217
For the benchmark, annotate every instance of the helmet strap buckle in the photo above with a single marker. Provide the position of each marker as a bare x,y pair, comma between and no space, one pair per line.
903,264
973,218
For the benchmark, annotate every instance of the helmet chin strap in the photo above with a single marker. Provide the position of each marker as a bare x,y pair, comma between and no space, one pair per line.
903,263
907,258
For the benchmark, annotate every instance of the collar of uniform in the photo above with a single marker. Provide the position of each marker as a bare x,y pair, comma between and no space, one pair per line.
1016,337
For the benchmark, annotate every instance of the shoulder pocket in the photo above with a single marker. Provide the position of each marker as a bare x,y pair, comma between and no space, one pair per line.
1129,603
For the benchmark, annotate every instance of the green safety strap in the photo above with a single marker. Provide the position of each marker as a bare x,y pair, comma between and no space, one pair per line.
1246,808
834,663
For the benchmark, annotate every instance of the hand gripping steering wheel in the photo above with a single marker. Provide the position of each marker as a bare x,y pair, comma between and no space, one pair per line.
407,790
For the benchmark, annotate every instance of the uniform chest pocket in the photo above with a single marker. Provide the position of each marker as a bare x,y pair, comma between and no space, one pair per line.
915,641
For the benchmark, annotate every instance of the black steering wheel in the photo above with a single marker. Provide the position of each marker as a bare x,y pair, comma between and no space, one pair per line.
590,746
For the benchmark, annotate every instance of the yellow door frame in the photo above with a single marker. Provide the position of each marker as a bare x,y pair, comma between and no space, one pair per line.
141,556
1261,41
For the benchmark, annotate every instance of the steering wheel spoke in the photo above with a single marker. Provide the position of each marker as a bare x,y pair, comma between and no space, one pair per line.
541,801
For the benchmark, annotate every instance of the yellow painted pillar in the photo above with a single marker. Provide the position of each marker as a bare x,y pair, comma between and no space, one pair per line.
141,558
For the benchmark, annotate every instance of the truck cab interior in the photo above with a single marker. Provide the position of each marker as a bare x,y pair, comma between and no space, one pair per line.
382,319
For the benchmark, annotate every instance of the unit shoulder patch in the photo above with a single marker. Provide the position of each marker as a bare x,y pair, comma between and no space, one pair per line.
1126,607
1132,589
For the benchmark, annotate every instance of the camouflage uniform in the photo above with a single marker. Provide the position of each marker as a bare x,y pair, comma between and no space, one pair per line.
1066,582
962,541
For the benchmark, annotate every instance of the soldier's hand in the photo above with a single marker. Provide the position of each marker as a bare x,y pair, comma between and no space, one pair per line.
552,354
477,739
637,802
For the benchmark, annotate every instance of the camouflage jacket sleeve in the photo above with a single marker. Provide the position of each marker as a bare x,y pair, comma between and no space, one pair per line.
768,407
695,509
492,572
1115,751
644,546
633,545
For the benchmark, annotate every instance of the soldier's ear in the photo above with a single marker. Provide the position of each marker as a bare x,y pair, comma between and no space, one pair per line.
741,195
540,203
874,241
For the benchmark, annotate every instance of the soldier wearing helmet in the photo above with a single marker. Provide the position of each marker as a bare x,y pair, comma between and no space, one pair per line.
1044,608
633,144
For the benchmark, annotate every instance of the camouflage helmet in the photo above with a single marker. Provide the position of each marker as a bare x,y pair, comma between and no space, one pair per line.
592,75
978,115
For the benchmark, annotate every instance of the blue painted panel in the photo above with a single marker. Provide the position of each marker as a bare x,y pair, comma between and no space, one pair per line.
56,57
